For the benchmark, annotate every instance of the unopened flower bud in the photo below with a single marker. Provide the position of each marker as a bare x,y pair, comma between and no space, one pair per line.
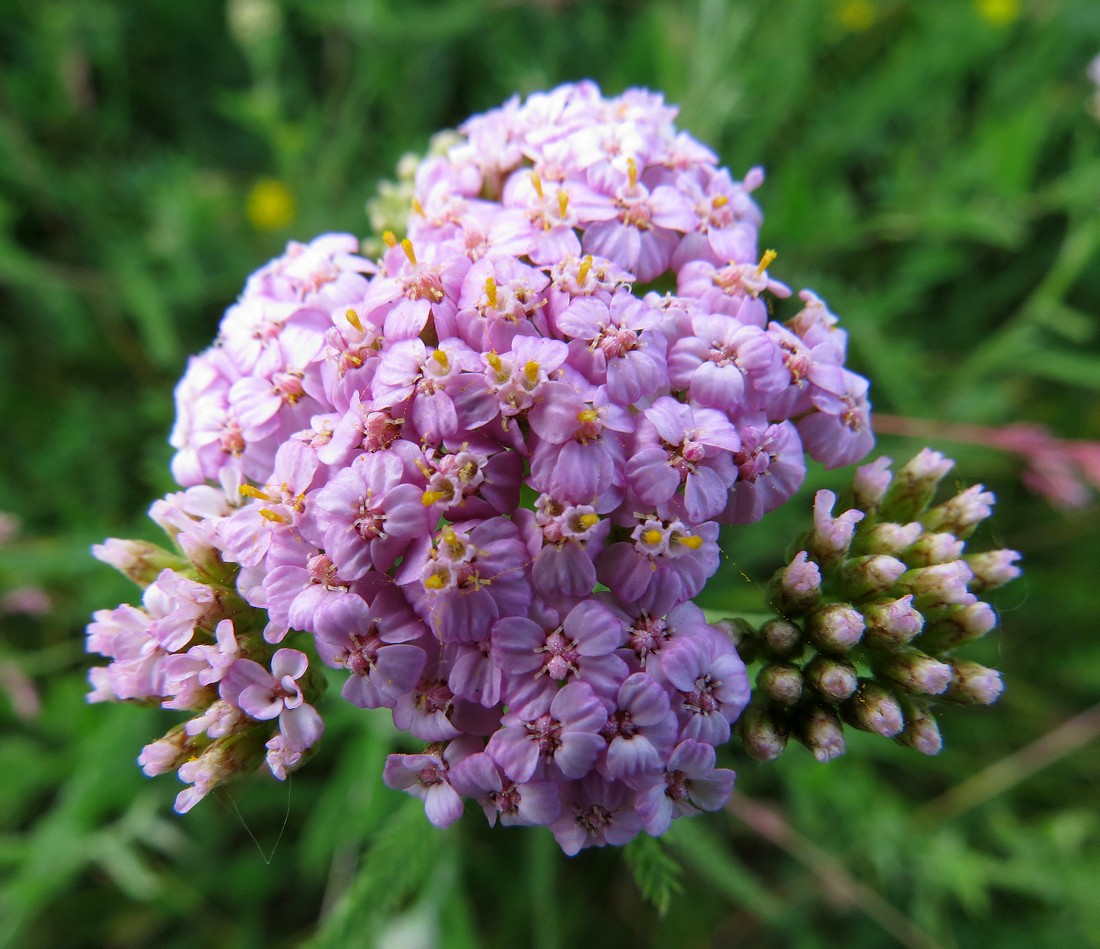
956,625
914,671
835,628
796,587
139,560
207,561
781,638
763,733
780,682
818,727
865,576
168,753
934,548
870,483
892,621
921,732
941,584
833,679
914,485
974,683
887,538
874,709
831,536
962,513
992,569
741,633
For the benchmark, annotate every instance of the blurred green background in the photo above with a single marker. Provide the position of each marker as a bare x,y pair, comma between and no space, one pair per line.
933,172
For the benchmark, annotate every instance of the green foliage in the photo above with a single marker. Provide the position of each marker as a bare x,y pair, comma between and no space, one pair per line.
932,174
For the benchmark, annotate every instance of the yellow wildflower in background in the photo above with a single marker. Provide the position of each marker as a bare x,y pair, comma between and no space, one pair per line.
856,15
998,12
270,205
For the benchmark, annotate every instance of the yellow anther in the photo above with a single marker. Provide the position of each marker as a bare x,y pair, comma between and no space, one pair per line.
563,202
389,239
450,538
434,582
582,271
589,520
250,492
491,292
494,361
632,172
353,318
407,247
691,541
273,516
428,498
418,208
766,261
651,537
536,183
531,371
441,357
720,201
588,416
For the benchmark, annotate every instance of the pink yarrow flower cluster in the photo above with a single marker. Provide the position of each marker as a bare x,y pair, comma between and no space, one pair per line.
486,473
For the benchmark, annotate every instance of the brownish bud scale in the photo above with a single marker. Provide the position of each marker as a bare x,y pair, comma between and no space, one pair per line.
780,682
833,679
873,709
921,732
835,628
914,671
818,727
781,638
974,683
763,733
957,625
892,622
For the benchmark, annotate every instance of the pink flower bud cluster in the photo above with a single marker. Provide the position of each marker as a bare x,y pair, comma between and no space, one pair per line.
487,471
873,609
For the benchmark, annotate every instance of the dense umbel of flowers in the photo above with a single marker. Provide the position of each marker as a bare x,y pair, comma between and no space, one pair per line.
872,609
487,472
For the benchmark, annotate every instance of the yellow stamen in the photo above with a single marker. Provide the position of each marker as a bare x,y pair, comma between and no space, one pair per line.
389,239
563,202
494,361
720,202
441,357
418,208
273,516
450,538
434,582
250,492
589,520
651,537
582,271
428,498
536,183
632,172
588,416
491,292
765,261
531,371
691,541
353,318
407,247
